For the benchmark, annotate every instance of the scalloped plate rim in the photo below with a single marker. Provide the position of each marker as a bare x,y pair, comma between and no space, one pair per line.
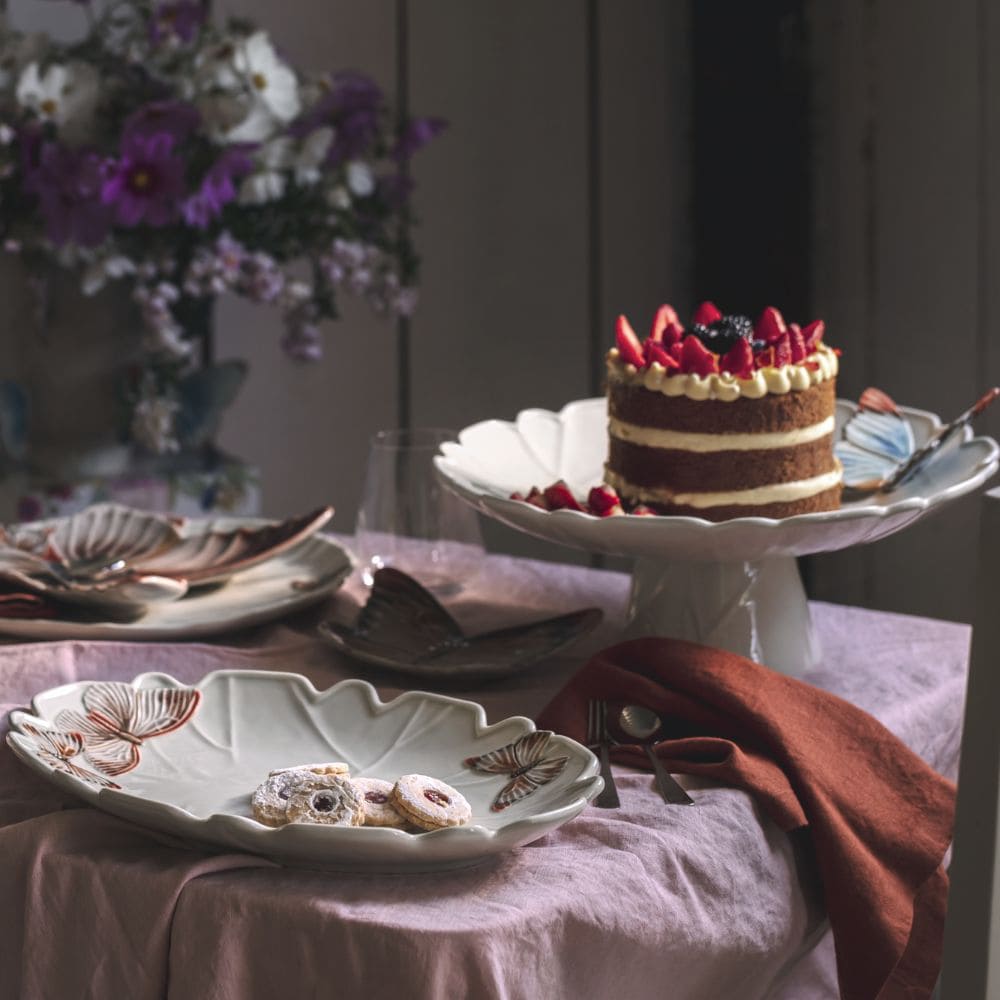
534,520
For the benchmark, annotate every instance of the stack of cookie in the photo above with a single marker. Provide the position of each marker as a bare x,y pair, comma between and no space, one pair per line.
326,793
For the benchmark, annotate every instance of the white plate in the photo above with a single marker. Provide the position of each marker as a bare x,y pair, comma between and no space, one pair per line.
195,781
493,458
292,580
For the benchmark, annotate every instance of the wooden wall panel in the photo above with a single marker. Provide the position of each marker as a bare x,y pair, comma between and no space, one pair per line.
645,129
503,321
307,426
899,259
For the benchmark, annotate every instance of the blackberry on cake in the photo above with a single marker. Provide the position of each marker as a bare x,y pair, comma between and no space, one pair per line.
728,418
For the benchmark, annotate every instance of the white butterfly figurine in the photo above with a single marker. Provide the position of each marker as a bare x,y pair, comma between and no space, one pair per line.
878,451
120,718
524,762
58,749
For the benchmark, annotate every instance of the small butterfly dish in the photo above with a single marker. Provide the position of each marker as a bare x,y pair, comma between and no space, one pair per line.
184,760
402,626
878,450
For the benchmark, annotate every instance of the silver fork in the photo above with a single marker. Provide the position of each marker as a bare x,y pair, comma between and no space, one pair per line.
597,736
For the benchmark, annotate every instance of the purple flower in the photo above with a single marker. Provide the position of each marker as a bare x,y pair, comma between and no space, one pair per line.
182,20
67,183
418,132
177,118
217,188
353,105
147,182
303,340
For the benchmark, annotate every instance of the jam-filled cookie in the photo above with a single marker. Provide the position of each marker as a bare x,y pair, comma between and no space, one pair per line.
270,799
328,799
379,808
429,803
333,767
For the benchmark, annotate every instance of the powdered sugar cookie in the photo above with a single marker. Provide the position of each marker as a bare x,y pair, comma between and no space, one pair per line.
325,798
429,803
379,810
333,767
270,799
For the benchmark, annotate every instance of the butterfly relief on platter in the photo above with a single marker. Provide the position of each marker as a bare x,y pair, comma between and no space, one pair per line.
119,718
524,762
59,749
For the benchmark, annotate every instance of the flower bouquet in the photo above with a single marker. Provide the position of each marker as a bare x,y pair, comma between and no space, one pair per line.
183,158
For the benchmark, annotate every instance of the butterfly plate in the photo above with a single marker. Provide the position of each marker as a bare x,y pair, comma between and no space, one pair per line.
184,760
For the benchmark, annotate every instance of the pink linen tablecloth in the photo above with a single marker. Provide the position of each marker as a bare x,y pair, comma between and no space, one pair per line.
709,903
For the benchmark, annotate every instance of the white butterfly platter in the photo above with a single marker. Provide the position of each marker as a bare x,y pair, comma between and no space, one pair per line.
732,584
193,756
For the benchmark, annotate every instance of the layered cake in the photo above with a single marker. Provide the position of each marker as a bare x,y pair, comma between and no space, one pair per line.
727,418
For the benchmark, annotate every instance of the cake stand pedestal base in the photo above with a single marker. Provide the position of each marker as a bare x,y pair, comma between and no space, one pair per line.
757,609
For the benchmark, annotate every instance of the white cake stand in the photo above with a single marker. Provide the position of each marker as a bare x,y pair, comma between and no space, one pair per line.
734,585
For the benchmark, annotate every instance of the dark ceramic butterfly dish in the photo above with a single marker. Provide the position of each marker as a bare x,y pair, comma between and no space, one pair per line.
403,627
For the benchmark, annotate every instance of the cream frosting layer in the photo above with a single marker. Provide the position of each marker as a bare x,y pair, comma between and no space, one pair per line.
756,497
822,365
656,437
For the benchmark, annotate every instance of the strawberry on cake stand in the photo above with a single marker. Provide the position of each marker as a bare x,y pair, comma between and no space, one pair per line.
731,583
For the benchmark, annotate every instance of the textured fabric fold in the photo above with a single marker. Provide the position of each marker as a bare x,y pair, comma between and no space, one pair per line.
880,818
96,899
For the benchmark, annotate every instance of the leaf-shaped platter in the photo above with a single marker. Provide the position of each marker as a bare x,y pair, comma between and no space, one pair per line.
195,780
293,579
403,627
493,458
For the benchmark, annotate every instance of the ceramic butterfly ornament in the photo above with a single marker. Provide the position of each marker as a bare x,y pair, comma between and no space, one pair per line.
60,749
120,718
524,762
878,451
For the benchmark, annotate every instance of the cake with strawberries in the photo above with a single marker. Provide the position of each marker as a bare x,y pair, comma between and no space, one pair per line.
725,418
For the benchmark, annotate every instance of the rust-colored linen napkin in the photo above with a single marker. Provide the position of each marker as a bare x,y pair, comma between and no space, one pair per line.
880,819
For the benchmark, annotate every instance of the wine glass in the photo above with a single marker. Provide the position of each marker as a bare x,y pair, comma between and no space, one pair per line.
409,520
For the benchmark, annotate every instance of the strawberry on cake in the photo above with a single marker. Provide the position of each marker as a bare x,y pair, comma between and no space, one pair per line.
728,418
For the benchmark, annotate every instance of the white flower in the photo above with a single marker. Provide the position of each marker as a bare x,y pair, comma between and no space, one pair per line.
262,91
311,155
65,95
268,181
96,276
360,178
274,84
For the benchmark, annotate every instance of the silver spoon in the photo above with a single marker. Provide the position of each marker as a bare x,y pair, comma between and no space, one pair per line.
642,725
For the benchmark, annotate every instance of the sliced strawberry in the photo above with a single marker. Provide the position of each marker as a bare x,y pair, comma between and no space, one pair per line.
665,315
798,343
655,352
696,358
764,358
770,326
676,351
813,334
707,312
641,510
536,498
516,495
628,343
604,502
559,497
673,334
738,360
782,351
